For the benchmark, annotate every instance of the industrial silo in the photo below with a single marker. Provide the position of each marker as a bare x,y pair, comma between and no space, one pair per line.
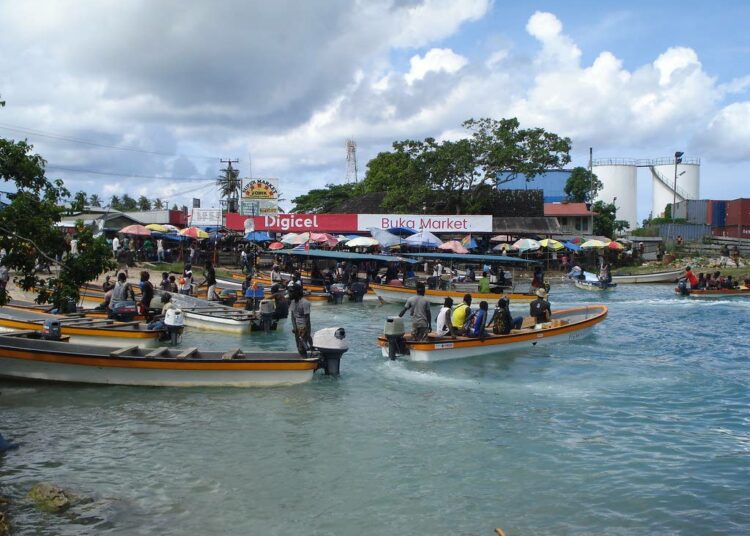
664,192
619,179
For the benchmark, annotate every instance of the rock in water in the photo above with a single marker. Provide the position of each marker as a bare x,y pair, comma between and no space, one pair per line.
50,498
4,526
6,445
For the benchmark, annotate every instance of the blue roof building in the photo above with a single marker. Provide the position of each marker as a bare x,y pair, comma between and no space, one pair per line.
552,182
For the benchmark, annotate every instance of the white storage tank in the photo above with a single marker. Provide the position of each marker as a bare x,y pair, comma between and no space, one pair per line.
619,180
663,181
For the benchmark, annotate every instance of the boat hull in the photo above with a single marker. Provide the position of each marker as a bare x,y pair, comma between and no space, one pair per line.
716,294
656,277
582,320
593,286
392,294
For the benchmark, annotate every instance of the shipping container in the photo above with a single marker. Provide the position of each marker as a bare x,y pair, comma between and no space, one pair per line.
716,213
690,232
692,210
738,212
732,231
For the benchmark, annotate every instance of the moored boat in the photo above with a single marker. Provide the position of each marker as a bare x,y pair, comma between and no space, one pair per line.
565,325
653,277
211,315
47,360
596,286
80,329
394,294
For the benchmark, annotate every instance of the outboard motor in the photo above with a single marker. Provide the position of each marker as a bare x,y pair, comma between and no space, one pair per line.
338,291
682,287
123,311
228,297
394,332
331,345
174,320
266,310
51,330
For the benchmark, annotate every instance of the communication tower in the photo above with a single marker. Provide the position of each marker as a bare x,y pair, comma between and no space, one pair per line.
351,161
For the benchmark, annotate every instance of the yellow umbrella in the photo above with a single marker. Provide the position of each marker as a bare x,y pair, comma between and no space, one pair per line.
551,243
596,244
157,227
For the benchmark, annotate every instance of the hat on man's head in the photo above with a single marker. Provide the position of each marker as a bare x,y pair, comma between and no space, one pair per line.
541,293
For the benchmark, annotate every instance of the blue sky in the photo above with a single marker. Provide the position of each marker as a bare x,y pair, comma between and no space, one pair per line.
282,85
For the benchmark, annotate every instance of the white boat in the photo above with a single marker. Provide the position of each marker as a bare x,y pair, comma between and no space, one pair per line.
596,286
566,325
654,277
58,361
211,315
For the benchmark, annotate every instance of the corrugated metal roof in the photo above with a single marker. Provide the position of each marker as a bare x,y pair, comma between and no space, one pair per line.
530,225
566,209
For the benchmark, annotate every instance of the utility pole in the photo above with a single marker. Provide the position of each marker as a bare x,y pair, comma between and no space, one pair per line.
351,161
230,184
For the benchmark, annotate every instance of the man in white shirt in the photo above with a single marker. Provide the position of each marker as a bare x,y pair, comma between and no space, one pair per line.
115,246
444,327
159,250
74,247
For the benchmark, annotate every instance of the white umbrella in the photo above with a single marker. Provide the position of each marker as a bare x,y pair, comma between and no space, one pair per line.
362,242
423,239
385,238
526,244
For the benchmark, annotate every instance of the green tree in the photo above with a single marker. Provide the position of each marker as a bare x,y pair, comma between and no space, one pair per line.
128,203
324,200
79,202
95,201
605,220
158,204
229,187
396,173
582,186
175,207
29,234
143,203
115,203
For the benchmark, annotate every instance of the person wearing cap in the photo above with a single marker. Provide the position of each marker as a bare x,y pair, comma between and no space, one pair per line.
443,324
420,312
502,321
540,308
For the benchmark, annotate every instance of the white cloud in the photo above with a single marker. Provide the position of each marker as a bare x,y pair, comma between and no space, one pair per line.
435,60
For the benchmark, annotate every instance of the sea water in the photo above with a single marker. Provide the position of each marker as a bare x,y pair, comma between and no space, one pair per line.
643,427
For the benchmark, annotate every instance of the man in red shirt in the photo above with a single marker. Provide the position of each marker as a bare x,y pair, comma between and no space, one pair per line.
690,277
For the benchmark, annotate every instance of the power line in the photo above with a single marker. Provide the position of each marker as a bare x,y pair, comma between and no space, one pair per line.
74,170
41,134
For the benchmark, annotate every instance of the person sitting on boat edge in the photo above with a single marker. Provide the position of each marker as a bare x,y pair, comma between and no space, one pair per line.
461,315
157,322
502,321
540,308
484,284
443,324
420,313
477,321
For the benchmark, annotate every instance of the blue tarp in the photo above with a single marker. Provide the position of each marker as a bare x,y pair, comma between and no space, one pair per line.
258,236
170,236
571,246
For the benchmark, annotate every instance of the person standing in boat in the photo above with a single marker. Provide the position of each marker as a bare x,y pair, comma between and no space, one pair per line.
443,324
301,325
210,280
605,276
538,279
540,308
281,305
420,312
147,292
689,276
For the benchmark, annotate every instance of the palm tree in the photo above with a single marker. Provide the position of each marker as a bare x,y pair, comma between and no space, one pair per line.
158,204
95,200
229,188
144,204
115,203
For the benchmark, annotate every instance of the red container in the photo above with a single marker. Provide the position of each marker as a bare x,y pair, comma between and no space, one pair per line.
177,217
734,231
738,212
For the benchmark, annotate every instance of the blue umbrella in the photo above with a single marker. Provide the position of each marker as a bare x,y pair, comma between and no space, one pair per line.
571,246
258,236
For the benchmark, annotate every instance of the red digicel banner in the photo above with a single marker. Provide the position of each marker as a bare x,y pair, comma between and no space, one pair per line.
295,223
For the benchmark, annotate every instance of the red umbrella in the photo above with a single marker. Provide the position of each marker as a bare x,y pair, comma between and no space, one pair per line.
453,245
276,245
138,230
194,232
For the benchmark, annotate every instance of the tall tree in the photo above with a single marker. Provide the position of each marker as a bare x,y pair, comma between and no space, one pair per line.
229,186
605,220
158,204
143,203
115,203
79,202
128,203
29,234
324,199
582,185
95,200
396,173
175,207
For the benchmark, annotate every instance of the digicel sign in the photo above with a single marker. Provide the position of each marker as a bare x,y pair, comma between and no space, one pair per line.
345,223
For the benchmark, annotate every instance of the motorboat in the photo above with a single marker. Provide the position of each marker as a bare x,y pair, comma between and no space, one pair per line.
713,293
399,294
26,356
596,286
565,325
653,277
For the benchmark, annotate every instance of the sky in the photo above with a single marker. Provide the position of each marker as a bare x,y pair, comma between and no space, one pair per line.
145,98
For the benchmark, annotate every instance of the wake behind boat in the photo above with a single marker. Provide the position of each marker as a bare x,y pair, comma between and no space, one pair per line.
565,325
33,358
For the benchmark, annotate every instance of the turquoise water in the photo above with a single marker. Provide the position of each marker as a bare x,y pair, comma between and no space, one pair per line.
641,428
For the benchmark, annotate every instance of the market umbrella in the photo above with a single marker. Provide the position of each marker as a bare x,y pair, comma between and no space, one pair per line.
276,245
500,238
593,244
194,232
454,246
501,247
615,245
571,246
468,242
423,239
323,238
551,243
362,241
157,227
137,230
386,239
526,244
170,228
